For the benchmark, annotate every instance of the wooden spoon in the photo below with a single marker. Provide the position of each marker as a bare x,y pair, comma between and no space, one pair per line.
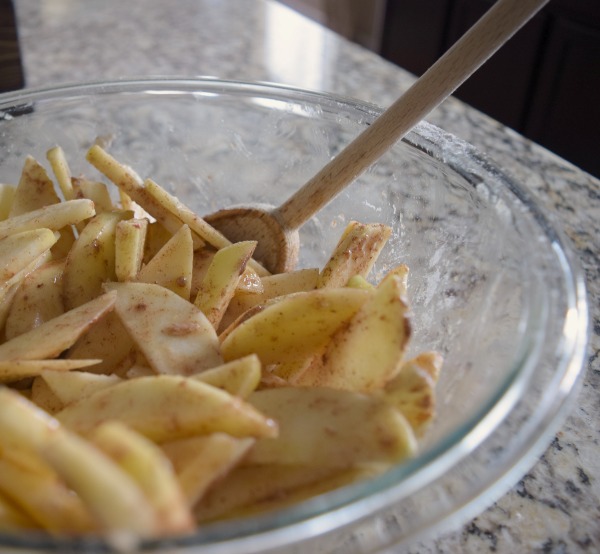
276,229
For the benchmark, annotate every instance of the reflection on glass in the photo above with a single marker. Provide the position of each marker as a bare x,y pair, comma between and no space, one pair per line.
297,51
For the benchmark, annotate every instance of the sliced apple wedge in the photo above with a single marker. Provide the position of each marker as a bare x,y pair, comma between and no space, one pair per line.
330,428
174,335
56,335
298,324
171,267
368,351
168,407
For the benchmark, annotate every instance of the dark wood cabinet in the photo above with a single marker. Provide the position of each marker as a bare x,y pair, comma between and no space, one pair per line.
565,115
503,85
11,69
544,83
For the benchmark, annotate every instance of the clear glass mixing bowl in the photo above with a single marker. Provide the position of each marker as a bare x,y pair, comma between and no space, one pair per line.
493,285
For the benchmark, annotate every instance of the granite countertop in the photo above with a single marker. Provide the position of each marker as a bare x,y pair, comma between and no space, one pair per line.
555,508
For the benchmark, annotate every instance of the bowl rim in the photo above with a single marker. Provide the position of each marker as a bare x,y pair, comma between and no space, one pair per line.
310,519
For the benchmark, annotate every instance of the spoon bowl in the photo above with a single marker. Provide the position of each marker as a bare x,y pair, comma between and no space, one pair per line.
277,245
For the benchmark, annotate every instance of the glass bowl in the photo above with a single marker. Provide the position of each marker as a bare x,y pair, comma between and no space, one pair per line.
493,284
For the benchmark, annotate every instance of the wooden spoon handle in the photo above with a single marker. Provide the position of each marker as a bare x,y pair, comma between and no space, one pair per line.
500,22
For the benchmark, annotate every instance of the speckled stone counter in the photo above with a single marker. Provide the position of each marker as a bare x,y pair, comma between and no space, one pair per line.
555,508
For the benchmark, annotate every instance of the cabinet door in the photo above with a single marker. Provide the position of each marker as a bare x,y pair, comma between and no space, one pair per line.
11,72
502,86
565,113
418,32
413,32
544,83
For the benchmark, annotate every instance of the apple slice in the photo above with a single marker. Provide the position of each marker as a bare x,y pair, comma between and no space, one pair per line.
174,335
368,351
